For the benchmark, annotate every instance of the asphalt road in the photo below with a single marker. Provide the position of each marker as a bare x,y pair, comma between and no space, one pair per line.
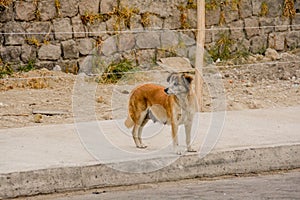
282,185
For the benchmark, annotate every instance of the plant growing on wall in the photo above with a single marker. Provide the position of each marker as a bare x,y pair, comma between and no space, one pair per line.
222,48
5,69
115,71
4,4
57,6
33,41
145,19
289,9
264,9
123,15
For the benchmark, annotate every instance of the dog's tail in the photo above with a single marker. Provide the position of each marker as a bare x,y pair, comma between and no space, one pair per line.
129,122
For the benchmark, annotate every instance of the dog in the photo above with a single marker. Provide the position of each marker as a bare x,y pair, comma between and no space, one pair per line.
174,105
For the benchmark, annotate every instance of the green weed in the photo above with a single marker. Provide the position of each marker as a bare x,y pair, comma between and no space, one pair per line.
115,71
28,67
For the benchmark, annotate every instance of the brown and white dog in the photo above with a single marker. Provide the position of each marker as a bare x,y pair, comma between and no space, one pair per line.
174,105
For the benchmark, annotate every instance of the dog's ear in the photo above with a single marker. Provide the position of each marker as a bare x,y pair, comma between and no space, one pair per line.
188,78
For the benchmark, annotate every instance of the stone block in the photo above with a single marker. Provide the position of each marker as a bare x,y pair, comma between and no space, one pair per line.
251,27
126,42
43,28
47,10
293,39
274,7
192,55
70,49
1,37
107,6
212,17
296,22
45,64
230,14
25,10
160,8
109,46
78,27
89,6
28,53
272,54
208,36
258,44
97,29
192,18
237,30
49,52
85,46
282,24
69,8
256,6
62,29
155,22
148,40
13,34
113,25
135,23
146,58
11,54
277,41
169,39
69,66
186,40
266,24
7,14
173,21
245,9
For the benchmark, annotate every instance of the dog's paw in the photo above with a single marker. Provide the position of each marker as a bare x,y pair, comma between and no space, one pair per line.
178,150
190,149
142,146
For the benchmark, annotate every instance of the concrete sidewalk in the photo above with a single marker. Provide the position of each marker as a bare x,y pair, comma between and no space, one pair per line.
48,159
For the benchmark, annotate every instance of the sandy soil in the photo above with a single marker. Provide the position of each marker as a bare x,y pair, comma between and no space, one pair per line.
265,84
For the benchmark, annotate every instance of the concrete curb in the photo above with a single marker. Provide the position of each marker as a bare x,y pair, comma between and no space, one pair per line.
238,161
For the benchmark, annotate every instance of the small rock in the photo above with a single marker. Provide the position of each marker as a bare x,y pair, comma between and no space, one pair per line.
57,68
258,57
248,84
100,99
226,75
272,54
82,74
251,59
38,118
125,92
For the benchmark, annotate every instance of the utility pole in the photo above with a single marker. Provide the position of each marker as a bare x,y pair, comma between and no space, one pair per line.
200,53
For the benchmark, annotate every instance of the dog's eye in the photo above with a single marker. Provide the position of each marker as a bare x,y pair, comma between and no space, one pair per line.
175,83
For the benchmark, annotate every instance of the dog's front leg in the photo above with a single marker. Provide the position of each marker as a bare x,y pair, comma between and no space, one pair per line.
188,128
175,138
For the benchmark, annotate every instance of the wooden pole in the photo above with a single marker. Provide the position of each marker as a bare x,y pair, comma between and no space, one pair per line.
200,53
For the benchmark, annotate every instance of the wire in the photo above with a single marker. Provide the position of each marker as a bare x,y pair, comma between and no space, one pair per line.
217,67
153,30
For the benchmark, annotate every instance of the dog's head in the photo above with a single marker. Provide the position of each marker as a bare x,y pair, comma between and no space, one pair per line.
178,84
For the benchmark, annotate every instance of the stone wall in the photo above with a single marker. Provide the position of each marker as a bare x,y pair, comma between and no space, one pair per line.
70,33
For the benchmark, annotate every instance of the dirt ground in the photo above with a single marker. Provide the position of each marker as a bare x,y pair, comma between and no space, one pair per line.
43,97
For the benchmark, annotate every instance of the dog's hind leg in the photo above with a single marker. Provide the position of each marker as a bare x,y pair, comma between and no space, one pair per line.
140,133
137,132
